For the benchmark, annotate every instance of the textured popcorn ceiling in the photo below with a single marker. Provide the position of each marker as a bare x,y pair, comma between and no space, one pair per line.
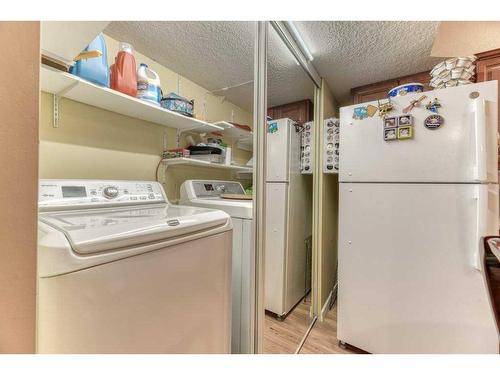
350,54
220,54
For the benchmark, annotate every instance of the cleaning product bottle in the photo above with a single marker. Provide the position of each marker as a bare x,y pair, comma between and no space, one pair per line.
94,69
148,85
124,71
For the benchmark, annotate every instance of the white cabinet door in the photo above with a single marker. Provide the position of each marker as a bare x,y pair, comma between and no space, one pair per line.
463,149
409,281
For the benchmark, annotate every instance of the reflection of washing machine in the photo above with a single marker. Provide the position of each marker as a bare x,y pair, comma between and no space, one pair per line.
120,270
203,193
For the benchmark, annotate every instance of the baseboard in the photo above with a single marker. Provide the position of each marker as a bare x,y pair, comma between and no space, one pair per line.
332,297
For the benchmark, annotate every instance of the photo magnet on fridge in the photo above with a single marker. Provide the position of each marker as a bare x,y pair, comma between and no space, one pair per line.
405,120
405,132
390,122
390,134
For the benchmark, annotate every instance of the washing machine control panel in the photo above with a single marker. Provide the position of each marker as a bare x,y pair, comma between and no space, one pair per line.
54,194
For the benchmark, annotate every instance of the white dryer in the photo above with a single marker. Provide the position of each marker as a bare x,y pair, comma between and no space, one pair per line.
120,270
205,193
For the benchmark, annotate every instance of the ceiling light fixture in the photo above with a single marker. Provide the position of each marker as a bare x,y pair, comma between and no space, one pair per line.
301,53
302,45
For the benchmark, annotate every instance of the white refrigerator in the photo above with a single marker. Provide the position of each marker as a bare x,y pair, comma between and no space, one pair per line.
412,214
288,205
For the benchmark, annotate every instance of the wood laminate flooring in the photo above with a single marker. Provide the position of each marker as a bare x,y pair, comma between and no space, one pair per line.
284,337
323,338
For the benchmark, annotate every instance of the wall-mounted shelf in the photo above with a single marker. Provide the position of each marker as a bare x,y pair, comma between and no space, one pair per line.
243,138
206,164
72,87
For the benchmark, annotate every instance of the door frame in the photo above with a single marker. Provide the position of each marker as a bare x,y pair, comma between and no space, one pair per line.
259,157
259,196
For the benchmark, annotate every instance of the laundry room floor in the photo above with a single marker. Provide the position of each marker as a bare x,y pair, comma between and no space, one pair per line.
323,338
284,337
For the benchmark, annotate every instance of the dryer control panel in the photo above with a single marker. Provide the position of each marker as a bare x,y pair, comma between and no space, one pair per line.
65,194
192,189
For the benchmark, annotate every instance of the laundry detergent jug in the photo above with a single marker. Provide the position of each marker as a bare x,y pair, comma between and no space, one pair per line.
124,71
148,85
92,63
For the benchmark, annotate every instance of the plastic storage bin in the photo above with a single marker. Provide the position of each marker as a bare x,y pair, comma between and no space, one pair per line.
178,104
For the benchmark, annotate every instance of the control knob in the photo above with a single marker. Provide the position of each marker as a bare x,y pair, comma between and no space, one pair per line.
110,192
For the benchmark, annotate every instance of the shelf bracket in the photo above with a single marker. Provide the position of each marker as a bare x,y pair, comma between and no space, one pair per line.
164,174
55,104
55,111
178,133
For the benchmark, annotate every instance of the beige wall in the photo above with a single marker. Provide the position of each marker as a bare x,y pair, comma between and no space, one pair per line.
328,192
216,109
94,143
208,107
18,178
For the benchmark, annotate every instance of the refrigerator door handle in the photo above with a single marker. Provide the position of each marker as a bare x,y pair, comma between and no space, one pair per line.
481,225
479,110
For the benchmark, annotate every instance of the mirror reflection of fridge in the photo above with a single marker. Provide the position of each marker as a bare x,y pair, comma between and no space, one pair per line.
412,215
287,218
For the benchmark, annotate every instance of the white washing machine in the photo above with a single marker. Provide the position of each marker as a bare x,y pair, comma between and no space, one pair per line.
205,193
120,270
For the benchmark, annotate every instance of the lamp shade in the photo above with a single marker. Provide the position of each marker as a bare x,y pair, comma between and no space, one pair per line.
465,38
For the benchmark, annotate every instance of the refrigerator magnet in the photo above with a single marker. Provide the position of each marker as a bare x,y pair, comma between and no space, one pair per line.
390,134
405,120
433,122
413,104
371,110
360,113
405,132
390,122
385,108
433,106
272,127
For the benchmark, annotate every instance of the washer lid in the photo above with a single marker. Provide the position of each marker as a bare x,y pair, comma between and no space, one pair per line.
99,230
235,208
